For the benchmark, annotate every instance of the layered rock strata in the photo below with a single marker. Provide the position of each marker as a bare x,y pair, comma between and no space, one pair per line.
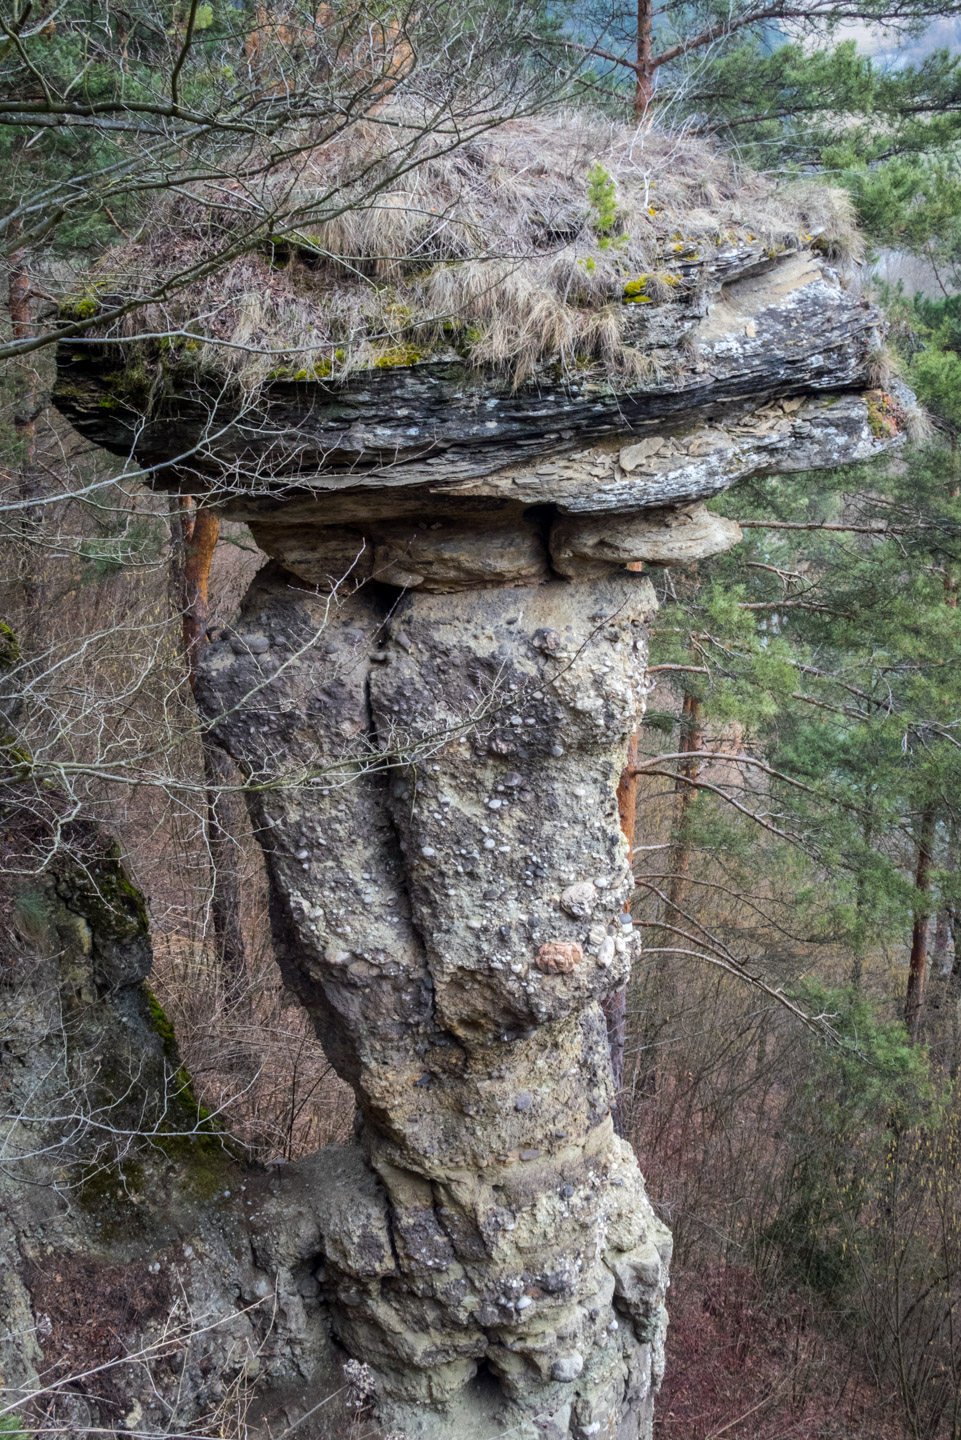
740,327
432,691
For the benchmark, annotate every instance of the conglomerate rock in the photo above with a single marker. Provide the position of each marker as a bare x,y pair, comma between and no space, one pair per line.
432,691
438,789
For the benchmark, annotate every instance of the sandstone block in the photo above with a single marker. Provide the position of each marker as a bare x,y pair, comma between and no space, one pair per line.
587,546
448,556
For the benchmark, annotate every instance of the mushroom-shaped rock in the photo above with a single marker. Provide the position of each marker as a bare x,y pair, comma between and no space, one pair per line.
434,686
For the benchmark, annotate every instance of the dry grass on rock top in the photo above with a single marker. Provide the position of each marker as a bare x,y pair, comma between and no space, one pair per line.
514,249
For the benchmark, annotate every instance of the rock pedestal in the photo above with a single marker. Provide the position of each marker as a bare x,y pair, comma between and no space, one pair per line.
434,781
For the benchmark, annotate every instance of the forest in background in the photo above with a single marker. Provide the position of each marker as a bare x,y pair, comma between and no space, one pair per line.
795,1025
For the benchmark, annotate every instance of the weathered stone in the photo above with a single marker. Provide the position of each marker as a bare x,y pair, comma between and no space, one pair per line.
450,556
826,431
568,1368
631,456
559,957
326,558
579,900
440,422
586,546
453,1031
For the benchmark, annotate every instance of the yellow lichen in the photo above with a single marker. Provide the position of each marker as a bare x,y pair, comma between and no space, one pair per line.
398,355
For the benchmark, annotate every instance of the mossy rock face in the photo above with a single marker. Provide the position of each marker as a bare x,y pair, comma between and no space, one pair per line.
184,1098
199,1167
90,880
131,1214
162,1024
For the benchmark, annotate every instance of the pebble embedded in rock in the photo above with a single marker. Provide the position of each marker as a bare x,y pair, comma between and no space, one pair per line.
605,954
255,644
523,1101
578,900
559,957
567,1367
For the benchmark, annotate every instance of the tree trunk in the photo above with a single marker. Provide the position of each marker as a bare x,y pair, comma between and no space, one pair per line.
918,963
862,904
644,86
691,740
661,986
200,529
615,1004
950,566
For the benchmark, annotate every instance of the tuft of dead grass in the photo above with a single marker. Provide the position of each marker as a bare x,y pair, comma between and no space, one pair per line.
492,251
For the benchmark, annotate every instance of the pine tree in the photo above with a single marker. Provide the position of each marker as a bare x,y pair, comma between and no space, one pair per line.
839,663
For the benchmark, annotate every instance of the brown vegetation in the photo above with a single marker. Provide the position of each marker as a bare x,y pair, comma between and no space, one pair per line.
494,250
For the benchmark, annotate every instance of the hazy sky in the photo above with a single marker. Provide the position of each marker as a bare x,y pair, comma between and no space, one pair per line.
887,44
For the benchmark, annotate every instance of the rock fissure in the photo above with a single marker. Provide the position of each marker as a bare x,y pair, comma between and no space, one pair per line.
378,744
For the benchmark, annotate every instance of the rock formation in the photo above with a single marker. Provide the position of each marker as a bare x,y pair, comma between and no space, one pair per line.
149,1279
432,691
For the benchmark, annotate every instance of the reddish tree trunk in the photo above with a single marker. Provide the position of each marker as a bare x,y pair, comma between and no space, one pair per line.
200,529
644,72
918,964
615,1005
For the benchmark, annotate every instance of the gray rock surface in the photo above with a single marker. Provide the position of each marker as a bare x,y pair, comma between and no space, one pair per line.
583,547
435,784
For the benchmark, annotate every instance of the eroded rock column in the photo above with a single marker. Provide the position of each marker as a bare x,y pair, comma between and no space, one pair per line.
434,783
